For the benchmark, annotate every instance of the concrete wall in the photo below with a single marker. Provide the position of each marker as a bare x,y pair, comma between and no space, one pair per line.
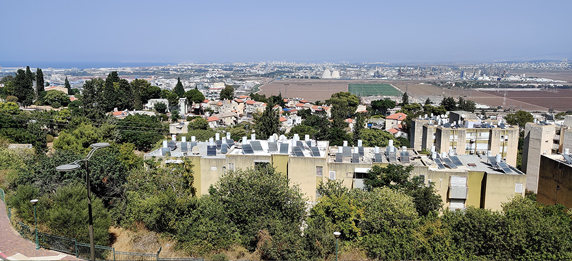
427,140
555,182
537,140
302,172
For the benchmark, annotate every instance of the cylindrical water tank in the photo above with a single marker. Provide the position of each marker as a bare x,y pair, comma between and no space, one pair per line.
359,143
217,136
164,144
244,139
345,143
307,137
376,149
356,150
174,137
566,151
184,139
390,143
228,135
193,138
498,158
252,136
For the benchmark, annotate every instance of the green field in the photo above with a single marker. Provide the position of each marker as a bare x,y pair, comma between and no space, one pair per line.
369,89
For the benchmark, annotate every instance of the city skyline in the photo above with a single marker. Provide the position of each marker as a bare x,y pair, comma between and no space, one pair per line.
320,31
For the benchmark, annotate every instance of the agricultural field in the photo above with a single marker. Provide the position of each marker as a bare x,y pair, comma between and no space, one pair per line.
559,100
373,89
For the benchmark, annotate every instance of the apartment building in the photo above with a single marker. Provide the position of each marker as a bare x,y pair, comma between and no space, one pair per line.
461,180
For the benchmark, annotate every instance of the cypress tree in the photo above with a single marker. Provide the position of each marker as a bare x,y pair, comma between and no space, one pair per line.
179,90
67,85
39,81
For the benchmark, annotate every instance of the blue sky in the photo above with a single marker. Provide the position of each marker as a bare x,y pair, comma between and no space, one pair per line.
303,31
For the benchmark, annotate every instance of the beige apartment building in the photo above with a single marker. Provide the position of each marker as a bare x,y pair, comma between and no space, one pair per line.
473,180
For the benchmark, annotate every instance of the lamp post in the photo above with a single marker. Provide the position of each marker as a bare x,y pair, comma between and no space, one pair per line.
73,166
337,234
34,201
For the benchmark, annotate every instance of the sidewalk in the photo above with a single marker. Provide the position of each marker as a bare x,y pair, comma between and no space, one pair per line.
14,247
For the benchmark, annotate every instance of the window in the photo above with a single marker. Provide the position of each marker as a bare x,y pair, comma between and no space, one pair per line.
332,175
261,165
319,171
231,166
358,175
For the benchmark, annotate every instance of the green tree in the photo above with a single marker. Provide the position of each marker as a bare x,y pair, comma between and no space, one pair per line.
405,99
110,92
382,105
428,102
173,99
375,137
67,85
337,136
344,104
23,86
141,130
302,130
227,93
9,107
397,177
519,118
179,90
467,105
93,99
268,123
160,107
39,80
449,103
56,96
198,124
149,92
358,127
194,96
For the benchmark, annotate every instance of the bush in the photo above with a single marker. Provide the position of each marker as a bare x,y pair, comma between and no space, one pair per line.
56,104
49,138
11,99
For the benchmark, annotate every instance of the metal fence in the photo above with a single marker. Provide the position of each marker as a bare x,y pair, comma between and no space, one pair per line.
82,250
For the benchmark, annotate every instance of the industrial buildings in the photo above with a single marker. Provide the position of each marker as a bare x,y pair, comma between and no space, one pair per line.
460,180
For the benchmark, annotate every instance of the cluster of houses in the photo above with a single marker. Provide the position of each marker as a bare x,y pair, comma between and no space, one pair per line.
223,113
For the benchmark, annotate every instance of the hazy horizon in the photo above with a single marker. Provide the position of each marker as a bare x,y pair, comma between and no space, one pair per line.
415,32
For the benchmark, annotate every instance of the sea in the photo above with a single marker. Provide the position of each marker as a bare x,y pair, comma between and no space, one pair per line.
80,64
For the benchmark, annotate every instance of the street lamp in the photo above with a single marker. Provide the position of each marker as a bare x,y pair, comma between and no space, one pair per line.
337,234
34,201
73,166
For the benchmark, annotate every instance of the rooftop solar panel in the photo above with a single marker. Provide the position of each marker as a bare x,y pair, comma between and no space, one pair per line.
193,144
347,151
184,147
164,151
392,157
284,148
505,168
378,158
211,151
339,157
172,145
230,143
300,144
298,152
224,150
493,161
456,160
449,163
247,149
272,146
439,164
315,151
404,156
256,145
218,144
567,158
355,157
309,143
361,151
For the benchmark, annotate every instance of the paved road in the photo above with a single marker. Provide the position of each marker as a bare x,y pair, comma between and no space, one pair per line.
14,247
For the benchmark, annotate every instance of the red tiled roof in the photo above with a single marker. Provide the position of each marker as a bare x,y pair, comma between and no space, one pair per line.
117,113
212,118
304,101
243,96
399,126
239,100
282,119
398,116
250,102
325,108
349,120
315,107
219,103
393,130
300,105
285,100
73,98
206,101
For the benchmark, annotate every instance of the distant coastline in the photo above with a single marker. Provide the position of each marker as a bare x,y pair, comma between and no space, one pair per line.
80,64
